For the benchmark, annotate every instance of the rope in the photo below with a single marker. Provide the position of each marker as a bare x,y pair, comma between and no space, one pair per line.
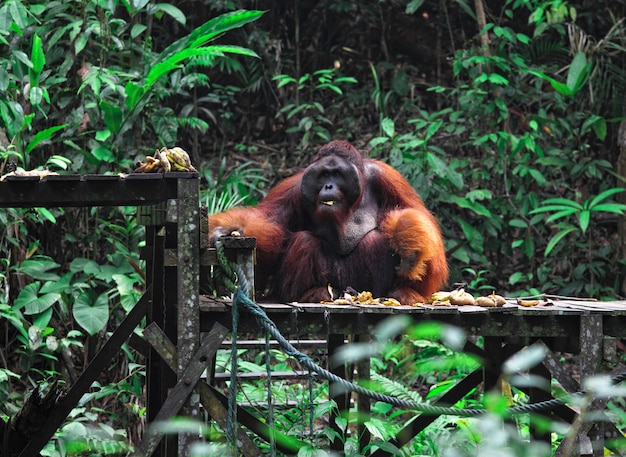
231,425
270,403
264,321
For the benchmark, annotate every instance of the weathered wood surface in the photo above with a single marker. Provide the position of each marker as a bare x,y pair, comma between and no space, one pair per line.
90,190
187,382
562,319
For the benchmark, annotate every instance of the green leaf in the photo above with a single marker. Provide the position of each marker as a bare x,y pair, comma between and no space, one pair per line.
561,88
32,302
617,208
603,196
172,11
42,135
436,164
474,237
103,135
413,6
112,116
80,43
46,214
92,314
103,154
476,207
388,127
35,95
479,194
38,58
79,264
134,92
160,69
58,161
562,201
58,286
599,127
561,214
583,220
42,319
577,73
519,223
39,268
495,78
137,30
557,238
210,30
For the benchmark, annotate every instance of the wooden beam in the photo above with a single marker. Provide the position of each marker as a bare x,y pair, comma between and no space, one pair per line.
166,349
180,393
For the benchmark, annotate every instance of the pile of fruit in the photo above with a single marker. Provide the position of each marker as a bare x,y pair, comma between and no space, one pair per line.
166,160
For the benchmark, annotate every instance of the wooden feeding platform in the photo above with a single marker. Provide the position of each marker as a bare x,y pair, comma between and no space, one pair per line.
185,328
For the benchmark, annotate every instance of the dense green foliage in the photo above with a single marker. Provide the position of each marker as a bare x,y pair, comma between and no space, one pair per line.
510,132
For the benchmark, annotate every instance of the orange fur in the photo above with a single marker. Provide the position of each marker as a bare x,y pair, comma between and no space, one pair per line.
290,250
252,222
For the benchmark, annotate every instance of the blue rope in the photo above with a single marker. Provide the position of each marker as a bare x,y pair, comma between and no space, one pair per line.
270,404
231,425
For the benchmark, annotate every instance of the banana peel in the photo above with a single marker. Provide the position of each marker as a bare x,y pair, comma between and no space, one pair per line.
165,160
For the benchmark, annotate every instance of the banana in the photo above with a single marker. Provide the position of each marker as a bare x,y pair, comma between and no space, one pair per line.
485,302
182,153
177,167
461,298
527,303
176,159
440,296
162,156
498,299
165,160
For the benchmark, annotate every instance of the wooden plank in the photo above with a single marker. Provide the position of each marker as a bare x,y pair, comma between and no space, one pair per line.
258,375
88,190
95,367
188,380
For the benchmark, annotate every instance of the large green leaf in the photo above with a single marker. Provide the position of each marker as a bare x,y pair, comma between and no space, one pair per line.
134,92
210,30
112,116
39,268
42,135
172,11
91,313
557,238
604,195
30,299
38,58
578,72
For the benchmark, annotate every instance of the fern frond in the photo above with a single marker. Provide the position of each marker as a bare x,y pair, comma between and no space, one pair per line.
395,388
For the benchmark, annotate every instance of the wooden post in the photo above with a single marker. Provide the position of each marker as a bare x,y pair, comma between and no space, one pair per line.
591,338
188,290
337,392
